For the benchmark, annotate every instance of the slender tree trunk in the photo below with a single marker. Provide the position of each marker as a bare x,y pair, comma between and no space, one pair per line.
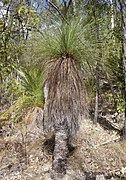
123,11
1,89
97,95
112,14
74,6
96,113
113,92
60,153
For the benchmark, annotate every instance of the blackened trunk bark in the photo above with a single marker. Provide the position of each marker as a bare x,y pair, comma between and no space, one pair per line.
123,11
60,153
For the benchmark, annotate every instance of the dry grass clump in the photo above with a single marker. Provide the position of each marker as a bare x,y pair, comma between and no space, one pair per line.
99,151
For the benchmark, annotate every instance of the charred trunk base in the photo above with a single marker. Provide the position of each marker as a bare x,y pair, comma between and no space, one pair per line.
60,154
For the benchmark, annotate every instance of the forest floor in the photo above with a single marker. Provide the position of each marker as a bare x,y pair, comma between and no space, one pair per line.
25,154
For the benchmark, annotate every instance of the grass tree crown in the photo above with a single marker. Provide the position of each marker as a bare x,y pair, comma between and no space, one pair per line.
66,96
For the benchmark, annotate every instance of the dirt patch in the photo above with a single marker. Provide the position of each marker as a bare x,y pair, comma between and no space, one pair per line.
25,155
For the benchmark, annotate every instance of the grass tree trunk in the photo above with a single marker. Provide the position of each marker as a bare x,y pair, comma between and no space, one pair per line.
60,154
64,104
123,11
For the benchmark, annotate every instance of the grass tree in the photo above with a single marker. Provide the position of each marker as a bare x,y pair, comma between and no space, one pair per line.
65,94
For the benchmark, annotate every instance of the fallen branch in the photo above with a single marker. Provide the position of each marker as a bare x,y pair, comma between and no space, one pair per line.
108,142
108,125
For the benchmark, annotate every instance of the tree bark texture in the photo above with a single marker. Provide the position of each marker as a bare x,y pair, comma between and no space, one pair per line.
96,115
60,153
123,11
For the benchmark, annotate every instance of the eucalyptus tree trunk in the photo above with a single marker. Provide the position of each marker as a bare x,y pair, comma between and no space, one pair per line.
74,6
96,113
112,14
123,11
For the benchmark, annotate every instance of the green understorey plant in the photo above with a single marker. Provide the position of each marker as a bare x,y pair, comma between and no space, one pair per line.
27,92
